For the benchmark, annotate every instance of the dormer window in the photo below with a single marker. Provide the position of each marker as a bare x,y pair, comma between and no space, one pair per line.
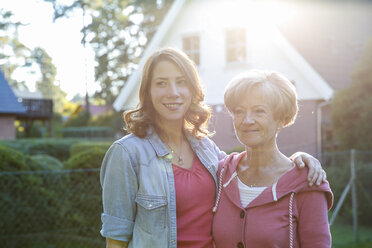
191,46
235,45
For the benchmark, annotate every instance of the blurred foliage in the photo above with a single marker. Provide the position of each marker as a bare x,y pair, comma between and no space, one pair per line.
91,158
118,33
86,146
69,108
111,119
17,58
47,84
45,162
87,132
352,107
12,160
80,119
59,149
337,166
43,206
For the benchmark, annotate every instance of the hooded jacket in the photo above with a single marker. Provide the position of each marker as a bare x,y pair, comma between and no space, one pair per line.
288,213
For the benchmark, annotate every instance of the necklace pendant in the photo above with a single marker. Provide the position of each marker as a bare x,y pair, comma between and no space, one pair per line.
180,161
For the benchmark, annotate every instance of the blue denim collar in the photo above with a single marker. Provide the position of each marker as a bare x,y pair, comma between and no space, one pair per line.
160,148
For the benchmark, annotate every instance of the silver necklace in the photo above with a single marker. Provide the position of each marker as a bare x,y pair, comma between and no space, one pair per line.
180,159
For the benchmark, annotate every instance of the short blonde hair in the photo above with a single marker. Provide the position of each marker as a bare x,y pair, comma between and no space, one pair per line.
196,120
277,89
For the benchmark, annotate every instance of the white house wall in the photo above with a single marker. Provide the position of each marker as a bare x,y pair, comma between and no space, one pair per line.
264,46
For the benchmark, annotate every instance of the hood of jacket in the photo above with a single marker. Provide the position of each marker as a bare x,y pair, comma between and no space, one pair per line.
293,181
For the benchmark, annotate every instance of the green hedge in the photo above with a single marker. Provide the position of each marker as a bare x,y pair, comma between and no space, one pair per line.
45,162
18,190
86,146
87,132
38,199
12,160
91,158
87,184
59,149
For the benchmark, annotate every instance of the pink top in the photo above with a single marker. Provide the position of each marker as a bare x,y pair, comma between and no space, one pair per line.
195,191
265,222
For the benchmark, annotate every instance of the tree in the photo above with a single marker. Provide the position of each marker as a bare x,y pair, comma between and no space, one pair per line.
14,56
119,32
352,107
47,83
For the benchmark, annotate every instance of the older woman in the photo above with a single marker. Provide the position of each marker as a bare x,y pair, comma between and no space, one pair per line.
264,200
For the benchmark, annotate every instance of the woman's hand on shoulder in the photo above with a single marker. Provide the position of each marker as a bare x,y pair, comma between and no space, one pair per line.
316,173
112,243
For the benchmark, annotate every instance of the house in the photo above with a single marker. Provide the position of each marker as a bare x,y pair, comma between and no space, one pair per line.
37,108
331,36
10,108
97,109
225,38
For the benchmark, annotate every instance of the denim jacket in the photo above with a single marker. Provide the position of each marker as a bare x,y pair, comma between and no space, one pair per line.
138,192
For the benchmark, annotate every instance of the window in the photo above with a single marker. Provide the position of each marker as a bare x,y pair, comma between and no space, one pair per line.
235,45
191,46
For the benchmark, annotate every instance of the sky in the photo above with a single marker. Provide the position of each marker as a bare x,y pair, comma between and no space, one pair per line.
61,40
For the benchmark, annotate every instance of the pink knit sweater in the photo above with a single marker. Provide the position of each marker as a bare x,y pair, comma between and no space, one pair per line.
265,222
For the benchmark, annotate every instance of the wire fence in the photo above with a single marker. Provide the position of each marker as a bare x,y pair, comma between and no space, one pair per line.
350,174
46,209
57,209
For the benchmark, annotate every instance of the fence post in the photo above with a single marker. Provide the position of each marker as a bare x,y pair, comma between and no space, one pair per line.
353,195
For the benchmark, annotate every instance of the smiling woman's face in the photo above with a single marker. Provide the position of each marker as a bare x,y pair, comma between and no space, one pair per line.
170,93
254,121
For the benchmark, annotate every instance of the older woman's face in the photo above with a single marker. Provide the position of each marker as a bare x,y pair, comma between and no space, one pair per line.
254,121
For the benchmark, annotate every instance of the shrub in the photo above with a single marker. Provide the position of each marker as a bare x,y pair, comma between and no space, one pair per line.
86,146
59,149
79,120
12,160
19,191
45,162
87,159
87,132
109,119
14,144
84,210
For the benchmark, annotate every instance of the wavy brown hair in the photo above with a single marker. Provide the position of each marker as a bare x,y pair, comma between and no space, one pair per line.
143,116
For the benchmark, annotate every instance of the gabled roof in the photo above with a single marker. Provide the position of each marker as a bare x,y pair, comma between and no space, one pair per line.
25,94
8,101
129,87
129,93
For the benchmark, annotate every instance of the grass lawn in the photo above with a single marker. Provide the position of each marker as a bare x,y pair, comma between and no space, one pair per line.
343,236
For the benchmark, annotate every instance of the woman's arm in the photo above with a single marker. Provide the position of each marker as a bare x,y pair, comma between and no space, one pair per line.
313,228
112,243
316,173
119,188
